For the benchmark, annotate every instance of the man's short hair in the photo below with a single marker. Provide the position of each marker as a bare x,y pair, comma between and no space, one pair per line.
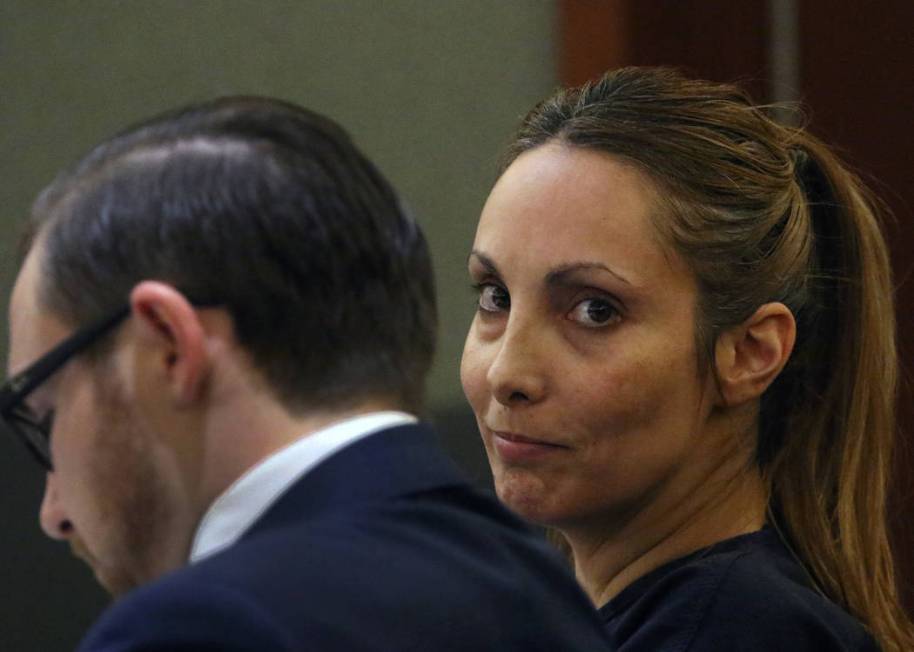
269,210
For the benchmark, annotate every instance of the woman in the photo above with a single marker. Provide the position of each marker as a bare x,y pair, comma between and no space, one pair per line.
683,361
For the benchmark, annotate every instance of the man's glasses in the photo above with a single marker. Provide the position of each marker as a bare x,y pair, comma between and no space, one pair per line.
33,431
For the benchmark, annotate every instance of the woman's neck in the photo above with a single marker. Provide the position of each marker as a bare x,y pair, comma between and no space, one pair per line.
728,501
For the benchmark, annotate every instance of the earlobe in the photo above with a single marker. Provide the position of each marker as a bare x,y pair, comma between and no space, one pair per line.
748,357
173,340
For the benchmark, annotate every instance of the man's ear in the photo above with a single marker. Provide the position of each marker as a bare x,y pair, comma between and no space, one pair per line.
172,340
748,357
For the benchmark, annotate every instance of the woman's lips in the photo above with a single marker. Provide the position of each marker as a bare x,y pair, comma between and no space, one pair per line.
515,448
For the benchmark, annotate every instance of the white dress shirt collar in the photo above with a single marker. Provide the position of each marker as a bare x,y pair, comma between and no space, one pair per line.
249,497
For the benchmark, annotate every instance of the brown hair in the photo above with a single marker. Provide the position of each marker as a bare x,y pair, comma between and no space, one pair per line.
764,212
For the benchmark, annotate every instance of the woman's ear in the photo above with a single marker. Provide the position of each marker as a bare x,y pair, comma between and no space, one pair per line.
173,341
748,357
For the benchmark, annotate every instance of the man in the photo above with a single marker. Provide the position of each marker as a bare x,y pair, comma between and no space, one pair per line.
219,337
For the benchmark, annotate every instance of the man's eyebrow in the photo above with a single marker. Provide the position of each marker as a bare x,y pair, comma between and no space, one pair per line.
559,274
485,261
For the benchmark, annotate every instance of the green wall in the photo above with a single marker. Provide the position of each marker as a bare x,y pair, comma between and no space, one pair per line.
430,89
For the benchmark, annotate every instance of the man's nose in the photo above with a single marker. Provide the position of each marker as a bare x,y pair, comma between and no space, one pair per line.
54,520
517,376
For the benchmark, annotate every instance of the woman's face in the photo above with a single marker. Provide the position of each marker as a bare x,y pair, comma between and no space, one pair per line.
580,363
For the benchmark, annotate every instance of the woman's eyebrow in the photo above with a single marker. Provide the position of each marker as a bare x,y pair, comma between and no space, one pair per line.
484,260
560,274
557,276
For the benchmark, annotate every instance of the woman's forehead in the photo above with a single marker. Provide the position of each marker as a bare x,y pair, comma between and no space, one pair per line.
559,205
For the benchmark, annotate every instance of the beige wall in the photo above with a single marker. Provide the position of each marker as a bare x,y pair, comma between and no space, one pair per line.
430,89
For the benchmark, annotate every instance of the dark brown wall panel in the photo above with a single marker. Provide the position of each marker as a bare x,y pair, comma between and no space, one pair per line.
714,39
857,75
593,37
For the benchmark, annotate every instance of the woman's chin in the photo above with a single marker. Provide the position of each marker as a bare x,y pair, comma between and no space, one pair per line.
527,497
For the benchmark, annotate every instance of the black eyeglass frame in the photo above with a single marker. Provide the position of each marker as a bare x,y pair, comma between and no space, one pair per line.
35,434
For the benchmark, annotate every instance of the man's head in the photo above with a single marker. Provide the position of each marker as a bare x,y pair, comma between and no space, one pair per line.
243,238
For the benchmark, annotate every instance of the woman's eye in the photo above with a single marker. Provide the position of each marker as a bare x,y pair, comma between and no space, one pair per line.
493,298
595,313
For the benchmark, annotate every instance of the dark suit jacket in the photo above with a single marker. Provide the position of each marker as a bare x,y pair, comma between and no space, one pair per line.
383,546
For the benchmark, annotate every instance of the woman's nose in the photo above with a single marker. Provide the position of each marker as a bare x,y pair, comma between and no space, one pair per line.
516,376
54,520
